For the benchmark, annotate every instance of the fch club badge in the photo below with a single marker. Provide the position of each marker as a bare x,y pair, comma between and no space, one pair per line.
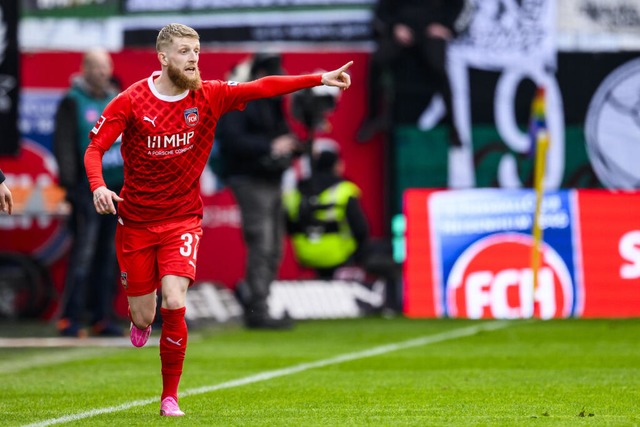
191,116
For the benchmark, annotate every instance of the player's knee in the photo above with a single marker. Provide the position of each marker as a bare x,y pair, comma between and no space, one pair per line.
173,302
144,318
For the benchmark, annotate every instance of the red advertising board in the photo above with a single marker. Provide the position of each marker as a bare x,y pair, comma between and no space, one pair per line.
419,290
469,254
610,235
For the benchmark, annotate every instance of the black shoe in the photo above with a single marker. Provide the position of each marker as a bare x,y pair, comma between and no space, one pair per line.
107,329
68,328
267,322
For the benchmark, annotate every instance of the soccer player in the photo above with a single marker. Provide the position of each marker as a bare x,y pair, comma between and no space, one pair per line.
167,124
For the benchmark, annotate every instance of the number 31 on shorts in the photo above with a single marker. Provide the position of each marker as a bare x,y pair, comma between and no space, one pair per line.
189,248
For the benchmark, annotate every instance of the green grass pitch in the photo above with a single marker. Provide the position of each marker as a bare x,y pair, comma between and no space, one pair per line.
358,372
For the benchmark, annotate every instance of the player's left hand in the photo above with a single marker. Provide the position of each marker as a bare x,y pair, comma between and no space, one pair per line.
338,78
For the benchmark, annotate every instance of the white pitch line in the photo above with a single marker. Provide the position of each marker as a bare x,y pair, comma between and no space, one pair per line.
74,349
60,342
29,362
264,376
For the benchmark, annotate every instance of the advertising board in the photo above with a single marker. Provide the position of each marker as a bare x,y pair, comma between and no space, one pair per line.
469,254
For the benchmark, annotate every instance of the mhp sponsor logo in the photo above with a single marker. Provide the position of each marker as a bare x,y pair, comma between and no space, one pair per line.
493,278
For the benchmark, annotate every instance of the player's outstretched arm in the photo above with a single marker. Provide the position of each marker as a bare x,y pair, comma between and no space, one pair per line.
338,78
269,86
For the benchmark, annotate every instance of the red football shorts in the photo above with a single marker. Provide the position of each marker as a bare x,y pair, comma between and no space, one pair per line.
147,254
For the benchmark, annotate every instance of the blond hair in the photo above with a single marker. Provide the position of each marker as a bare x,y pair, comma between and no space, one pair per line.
171,31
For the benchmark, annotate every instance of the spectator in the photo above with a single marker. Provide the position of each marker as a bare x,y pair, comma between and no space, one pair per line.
168,123
256,147
327,225
91,276
411,28
6,200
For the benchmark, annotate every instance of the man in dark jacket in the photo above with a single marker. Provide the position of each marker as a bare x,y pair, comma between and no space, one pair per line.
256,147
419,29
91,276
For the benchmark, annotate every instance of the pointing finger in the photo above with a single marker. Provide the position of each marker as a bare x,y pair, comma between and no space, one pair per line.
346,66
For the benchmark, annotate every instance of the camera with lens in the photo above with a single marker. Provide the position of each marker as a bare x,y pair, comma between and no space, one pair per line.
310,106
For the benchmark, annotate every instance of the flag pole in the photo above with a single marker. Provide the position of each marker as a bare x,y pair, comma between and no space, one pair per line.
540,166
540,144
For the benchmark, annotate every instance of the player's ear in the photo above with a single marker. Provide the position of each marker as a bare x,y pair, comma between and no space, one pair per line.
162,57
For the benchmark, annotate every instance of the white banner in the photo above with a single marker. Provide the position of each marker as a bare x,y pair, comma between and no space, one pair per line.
504,33
600,25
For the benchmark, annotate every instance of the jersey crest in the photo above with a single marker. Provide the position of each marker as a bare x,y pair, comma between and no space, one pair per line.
191,116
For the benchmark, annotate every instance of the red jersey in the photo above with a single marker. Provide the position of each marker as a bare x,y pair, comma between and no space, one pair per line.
166,141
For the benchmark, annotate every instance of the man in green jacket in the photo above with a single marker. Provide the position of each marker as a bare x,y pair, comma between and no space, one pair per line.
92,266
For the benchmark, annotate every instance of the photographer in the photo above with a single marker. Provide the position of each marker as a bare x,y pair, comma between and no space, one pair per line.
256,147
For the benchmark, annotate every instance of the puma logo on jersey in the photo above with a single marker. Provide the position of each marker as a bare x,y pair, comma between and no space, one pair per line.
147,119
179,342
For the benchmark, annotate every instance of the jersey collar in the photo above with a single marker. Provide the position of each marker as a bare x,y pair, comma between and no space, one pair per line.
168,98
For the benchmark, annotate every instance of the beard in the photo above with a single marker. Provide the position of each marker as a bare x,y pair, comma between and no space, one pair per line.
183,82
